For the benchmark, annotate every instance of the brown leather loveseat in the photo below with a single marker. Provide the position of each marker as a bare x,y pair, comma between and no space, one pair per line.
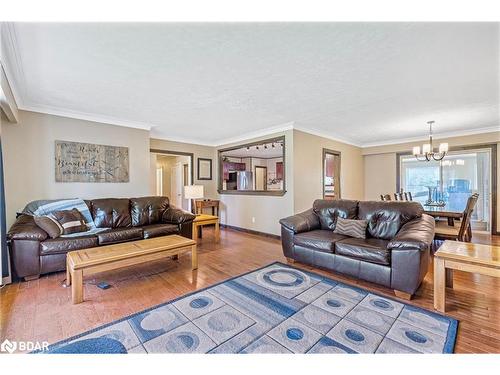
34,253
395,252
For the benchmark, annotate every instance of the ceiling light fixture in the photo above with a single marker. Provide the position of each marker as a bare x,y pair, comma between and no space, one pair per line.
428,152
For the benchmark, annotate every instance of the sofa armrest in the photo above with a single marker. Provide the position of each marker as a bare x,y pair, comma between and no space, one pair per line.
173,215
302,222
25,228
416,234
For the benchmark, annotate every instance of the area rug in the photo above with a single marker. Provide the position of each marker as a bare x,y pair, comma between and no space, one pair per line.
275,309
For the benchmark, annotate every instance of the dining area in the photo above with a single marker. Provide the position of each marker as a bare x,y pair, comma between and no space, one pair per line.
451,222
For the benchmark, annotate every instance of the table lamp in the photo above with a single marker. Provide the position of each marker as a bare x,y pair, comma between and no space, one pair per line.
193,192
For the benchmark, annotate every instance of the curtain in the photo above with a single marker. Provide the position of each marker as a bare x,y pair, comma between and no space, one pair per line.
3,229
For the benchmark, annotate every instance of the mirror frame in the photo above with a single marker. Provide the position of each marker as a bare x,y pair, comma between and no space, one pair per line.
278,193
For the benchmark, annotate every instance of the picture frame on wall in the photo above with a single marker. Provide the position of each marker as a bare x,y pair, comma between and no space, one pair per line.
204,169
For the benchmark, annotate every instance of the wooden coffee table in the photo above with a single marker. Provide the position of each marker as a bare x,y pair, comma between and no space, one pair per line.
202,220
82,263
468,257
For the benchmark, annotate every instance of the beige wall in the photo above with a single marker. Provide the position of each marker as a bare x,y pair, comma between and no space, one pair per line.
28,150
380,163
380,175
266,211
199,151
308,169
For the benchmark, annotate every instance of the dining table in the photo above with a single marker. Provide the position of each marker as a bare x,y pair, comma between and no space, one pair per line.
446,212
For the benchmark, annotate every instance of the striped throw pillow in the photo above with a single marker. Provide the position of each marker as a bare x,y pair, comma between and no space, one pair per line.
71,221
351,228
60,223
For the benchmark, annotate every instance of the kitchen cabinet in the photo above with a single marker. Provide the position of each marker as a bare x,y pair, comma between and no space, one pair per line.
229,166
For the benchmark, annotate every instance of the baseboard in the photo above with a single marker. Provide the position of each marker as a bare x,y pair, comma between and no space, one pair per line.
6,280
251,231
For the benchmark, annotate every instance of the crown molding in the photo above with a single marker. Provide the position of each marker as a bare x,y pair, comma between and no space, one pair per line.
155,134
85,116
461,133
323,134
226,141
255,134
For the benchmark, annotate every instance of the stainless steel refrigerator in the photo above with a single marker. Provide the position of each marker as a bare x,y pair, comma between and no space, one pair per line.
244,180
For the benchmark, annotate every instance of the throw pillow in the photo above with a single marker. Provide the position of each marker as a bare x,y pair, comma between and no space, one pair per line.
49,225
71,221
351,228
62,222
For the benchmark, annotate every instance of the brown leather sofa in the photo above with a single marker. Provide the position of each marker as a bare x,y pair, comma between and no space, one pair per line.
34,253
395,252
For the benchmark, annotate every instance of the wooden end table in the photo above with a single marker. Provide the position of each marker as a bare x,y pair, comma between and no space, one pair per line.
462,256
85,262
202,220
207,203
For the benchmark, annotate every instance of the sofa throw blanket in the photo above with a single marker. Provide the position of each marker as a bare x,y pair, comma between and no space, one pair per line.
46,207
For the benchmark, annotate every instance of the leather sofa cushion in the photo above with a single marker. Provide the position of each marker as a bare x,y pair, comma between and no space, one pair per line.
147,210
111,212
328,211
385,219
320,240
62,245
118,235
158,230
25,228
372,250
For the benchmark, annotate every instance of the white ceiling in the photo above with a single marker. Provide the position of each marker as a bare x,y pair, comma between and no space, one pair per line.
364,83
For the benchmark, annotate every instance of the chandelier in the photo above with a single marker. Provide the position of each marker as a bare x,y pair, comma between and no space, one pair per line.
428,152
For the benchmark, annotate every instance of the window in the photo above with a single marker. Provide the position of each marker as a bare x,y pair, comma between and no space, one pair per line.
256,168
452,181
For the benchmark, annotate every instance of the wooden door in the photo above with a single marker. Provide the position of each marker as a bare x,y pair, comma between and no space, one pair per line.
176,185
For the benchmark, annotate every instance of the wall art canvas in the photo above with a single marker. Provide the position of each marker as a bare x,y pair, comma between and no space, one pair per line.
87,162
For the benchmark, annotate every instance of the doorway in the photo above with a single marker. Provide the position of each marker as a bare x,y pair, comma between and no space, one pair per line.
260,178
331,174
170,172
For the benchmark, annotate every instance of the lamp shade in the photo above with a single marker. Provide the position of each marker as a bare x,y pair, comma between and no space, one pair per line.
193,191
443,147
426,148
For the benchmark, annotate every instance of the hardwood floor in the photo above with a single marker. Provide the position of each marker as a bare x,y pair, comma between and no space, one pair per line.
41,310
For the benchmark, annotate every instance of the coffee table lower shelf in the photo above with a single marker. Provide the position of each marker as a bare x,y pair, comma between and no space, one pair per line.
81,263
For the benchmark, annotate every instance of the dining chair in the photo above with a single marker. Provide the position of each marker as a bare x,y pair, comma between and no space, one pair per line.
458,232
408,196
386,197
398,197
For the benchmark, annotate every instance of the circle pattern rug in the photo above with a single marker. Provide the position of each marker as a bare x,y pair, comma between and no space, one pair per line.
275,309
